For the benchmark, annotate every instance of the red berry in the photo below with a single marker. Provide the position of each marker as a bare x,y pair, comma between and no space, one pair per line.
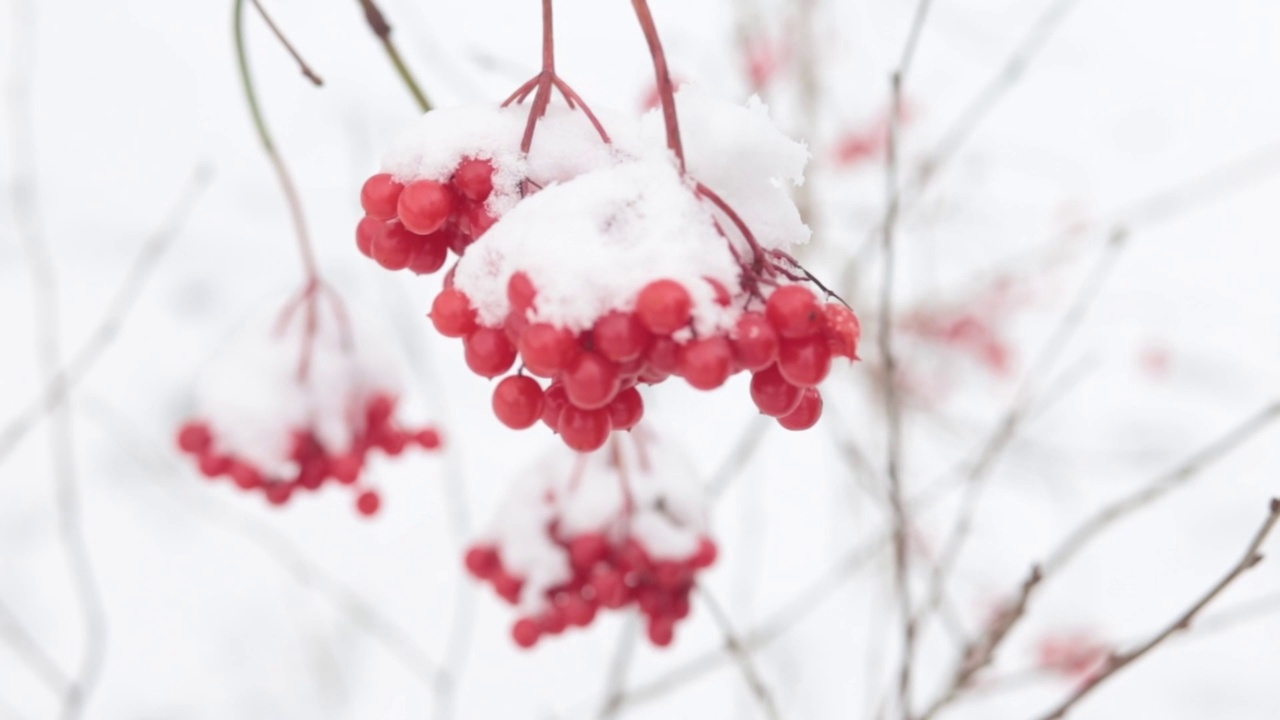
553,621
479,220
245,476
805,361
755,342
431,252
664,306
278,493
428,438
806,413
424,206
588,549
482,561
474,179
705,557
515,325
380,195
211,466
547,349
195,438
794,312
379,410
662,631
584,430
393,247
507,586
366,231
843,330
521,293
346,468
488,352
670,575
591,381
579,612
452,314
663,355
723,299
627,409
706,363
620,336
368,503
610,589
554,400
517,401
392,443
773,394
526,632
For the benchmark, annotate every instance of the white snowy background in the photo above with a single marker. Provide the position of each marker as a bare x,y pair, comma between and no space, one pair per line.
219,607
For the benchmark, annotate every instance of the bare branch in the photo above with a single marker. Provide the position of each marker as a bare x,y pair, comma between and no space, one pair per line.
740,654
41,664
617,677
1117,662
307,72
382,30
743,450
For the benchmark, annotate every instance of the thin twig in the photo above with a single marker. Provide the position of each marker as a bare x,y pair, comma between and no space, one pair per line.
741,655
913,40
307,72
1117,662
743,450
616,678
119,307
35,657
381,29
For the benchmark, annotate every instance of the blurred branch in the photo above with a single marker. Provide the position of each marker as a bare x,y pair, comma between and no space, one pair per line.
1117,662
623,654
743,450
307,72
741,655
119,307
41,664
382,30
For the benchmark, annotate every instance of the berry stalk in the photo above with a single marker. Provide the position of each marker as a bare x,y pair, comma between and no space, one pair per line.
662,76
382,30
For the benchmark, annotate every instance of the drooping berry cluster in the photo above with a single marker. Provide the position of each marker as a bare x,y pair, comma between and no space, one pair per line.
415,226
605,575
788,346
312,464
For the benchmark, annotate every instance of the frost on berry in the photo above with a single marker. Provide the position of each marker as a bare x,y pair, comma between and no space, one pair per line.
297,401
583,535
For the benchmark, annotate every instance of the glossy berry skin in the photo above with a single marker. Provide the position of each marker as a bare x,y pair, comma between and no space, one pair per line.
521,293
424,206
517,402
773,394
806,414
794,312
393,247
664,306
591,381
706,363
380,196
627,409
526,632
488,352
546,349
474,179
843,330
368,229
620,336
431,253
195,438
755,342
663,355
805,361
452,314
584,430
554,401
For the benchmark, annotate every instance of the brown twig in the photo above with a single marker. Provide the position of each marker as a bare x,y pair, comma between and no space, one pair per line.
738,651
1117,662
307,72
381,29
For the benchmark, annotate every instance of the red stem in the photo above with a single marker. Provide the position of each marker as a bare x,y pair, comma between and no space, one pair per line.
666,89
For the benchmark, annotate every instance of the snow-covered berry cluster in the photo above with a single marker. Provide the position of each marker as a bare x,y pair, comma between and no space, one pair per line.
612,262
608,531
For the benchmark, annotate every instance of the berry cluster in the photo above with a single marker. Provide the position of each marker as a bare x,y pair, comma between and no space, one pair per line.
788,346
415,226
605,575
313,465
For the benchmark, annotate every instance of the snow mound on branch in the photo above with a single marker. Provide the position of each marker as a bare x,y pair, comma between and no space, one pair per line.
590,245
585,494
253,400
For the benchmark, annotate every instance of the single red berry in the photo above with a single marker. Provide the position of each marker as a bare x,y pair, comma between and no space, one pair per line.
474,179
588,549
488,352
662,631
755,342
663,355
459,241
591,381
547,349
479,220
367,231
507,586
482,561
380,195
610,588
620,336
211,466
670,575
521,292
245,476
579,612
805,361
195,438
379,410
515,325
706,363
772,393
843,330
705,557
526,632
664,306
431,252
393,247
428,438
584,430
517,401
424,206
554,401
794,311
278,493
553,621
627,409
452,314
806,414
368,503
392,442
346,468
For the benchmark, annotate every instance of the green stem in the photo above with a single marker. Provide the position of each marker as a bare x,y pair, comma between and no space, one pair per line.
382,30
